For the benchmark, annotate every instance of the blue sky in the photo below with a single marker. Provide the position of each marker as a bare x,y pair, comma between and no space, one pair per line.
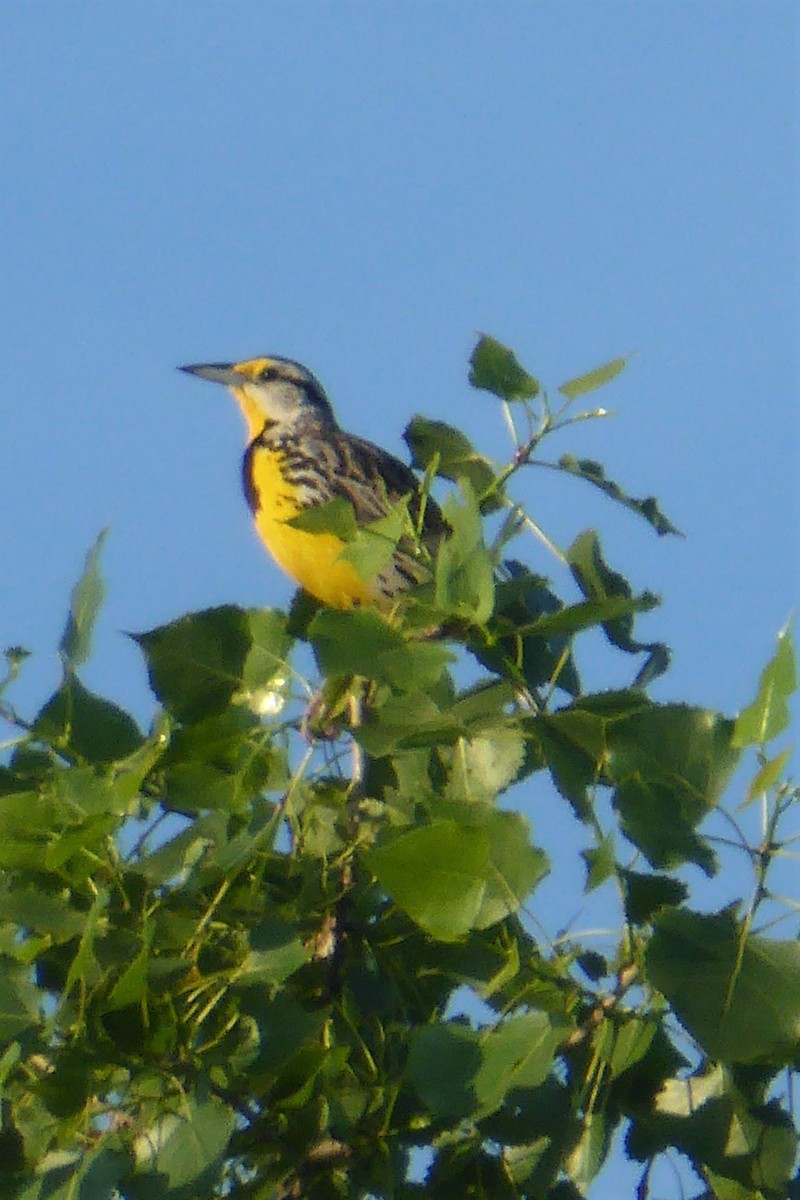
364,187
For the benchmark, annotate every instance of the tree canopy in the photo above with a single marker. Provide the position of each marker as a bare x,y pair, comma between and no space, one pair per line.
285,942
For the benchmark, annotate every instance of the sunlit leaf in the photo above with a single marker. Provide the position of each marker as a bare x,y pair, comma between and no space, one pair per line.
464,567
600,862
767,776
446,897
593,379
333,516
85,604
768,715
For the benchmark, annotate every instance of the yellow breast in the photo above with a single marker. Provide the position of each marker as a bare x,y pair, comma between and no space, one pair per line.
310,559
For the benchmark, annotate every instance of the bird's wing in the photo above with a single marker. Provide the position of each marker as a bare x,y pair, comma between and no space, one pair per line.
373,480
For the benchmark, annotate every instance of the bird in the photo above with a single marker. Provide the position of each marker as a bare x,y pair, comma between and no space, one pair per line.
297,458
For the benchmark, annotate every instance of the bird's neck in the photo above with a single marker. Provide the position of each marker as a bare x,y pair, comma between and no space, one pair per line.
307,425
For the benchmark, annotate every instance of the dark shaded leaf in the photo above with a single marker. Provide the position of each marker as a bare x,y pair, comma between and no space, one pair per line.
494,368
197,663
599,582
87,726
360,642
443,1064
182,1150
452,453
738,994
646,894
462,1072
594,473
91,1175
669,765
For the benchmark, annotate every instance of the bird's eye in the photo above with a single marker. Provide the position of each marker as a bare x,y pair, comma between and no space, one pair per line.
267,374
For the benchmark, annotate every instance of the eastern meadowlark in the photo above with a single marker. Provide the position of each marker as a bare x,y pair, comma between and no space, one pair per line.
298,457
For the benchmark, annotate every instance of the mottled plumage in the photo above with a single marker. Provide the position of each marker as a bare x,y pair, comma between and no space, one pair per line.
298,457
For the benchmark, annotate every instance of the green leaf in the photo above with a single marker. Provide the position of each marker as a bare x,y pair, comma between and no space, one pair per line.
360,642
407,721
599,582
520,647
84,968
724,1132
88,726
767,777
646,894
464,568
600,862
19,1001
515,866
593,379
266,674
182,1150
444,1062
623,1043
86,601
594,473
486,763
445,897
494,368
275,953
90,1174
589,1152
374,544
474,874
437,444
588,613
460,1072
723,1188
737,994
40,912
194,787
197,663
669,765
768,715
333,516
517,1053
132,983
572,744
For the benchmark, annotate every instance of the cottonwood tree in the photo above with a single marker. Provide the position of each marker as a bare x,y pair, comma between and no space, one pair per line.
274,948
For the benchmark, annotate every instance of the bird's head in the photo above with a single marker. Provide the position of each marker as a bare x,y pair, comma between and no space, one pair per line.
270,390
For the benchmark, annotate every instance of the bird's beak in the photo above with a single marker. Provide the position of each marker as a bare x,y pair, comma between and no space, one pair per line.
224,373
